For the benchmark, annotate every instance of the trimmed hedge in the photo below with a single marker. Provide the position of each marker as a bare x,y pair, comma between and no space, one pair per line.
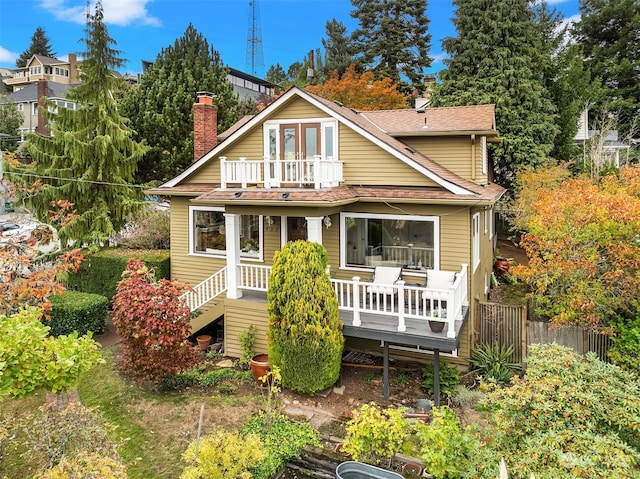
100,272
75,311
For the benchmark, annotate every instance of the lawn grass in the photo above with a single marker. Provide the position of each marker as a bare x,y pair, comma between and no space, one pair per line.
153,429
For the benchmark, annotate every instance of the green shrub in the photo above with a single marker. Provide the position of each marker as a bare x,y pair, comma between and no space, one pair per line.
444,446
247,340
569,414
283,441
223,455
625,350
74,311
86,466
305,332
228,389
492,361
376,435
213,377
100,272
449,379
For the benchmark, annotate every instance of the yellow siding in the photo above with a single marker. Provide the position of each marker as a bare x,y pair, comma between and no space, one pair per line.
190,269
454,153
239,315
368,164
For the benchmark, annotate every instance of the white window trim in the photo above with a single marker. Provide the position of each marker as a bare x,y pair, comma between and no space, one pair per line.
475,240
343,235
222,254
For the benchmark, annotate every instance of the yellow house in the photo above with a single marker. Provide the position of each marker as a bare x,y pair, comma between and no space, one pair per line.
400,193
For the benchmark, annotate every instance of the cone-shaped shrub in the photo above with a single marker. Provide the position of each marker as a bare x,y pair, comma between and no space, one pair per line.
305,333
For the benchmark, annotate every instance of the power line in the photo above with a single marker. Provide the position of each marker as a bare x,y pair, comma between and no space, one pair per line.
78,180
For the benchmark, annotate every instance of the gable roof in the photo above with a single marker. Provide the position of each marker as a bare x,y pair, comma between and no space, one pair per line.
364,124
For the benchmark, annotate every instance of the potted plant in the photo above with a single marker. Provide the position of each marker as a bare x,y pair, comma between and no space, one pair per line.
259,366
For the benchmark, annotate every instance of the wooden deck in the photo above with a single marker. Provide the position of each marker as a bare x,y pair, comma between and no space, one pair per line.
384,328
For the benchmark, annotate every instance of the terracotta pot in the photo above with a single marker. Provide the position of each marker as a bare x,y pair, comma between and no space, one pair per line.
501,266
203,341
412,469
259,366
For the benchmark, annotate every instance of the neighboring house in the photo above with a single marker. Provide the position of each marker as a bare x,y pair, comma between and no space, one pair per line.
407,189
246,86
607,147
42,76
39,67
28,98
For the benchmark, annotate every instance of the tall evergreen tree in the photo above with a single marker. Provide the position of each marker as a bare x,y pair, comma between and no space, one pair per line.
276,74
496,58
160,107
568,83
10,121
39,46
337,48
90,158
392,39
609,33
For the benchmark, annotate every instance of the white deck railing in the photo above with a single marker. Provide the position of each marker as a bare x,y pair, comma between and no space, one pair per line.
315,172
415,302
404,302
202,293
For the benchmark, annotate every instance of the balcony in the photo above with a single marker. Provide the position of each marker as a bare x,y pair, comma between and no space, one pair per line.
314,173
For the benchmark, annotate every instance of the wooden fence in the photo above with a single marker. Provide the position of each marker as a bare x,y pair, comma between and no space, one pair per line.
509,326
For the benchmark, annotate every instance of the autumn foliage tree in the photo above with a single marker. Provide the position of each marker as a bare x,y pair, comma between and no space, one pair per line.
582,240
154,325
361,91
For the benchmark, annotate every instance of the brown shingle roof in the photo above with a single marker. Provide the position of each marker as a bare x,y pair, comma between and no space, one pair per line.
449,119
328,196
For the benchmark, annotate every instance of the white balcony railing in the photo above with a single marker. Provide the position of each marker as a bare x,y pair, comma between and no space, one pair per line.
316,172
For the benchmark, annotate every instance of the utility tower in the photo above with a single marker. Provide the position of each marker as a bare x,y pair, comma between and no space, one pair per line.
255,57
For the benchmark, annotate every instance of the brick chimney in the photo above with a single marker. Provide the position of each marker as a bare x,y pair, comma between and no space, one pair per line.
205,125
43,94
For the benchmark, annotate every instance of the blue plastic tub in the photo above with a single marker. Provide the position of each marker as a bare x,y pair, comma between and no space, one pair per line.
359,470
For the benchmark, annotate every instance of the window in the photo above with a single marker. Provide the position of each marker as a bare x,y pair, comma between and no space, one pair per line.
207,227
488,222
391,240
34,108
20,106
475,240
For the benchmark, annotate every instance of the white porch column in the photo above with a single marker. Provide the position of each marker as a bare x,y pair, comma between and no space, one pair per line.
232,232
314,228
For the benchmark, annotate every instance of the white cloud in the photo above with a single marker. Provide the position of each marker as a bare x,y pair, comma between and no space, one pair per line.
116,12
6,56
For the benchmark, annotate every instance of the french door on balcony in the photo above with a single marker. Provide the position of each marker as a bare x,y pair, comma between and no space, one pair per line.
298,141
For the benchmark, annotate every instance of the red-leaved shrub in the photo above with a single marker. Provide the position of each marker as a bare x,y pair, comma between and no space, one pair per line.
153,323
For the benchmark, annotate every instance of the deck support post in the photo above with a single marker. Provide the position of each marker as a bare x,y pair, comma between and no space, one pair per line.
385,369
436,377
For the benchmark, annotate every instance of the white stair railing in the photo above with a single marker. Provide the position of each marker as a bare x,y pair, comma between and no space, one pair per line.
202,293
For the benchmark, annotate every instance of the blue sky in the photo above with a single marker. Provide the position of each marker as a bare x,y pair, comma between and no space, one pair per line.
141,28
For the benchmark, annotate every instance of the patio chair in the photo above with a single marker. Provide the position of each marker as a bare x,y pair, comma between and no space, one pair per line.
384,278
440,280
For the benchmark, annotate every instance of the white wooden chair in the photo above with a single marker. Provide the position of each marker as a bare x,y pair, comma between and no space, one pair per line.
439,281
384,279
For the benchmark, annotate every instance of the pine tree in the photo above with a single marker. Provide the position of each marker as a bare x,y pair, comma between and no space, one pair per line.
609,33
90,158
337,47
392,39
497,57
160,107
39,46
276,74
